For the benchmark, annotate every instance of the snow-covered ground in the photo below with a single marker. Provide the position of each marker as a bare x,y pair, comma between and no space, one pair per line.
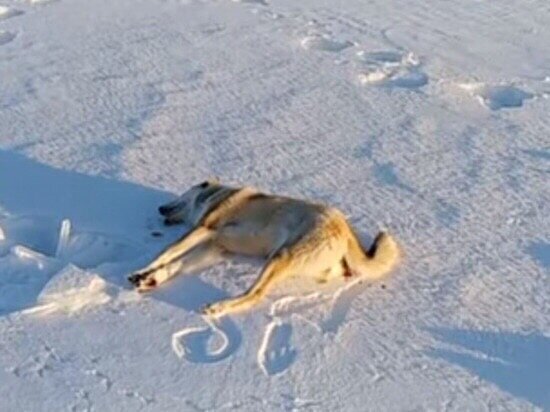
430,118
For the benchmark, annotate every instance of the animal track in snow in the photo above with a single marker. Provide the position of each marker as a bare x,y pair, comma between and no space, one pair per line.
262,2
276,354
7,12
497,97
6,37
145,400
447,214
403,78
385,56
387,175
324,43
41,1
391,68
540,252
104,380
39,364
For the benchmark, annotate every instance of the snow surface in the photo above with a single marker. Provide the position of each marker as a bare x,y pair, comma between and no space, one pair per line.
429,118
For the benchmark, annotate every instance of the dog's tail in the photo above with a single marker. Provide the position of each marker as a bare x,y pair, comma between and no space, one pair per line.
381,258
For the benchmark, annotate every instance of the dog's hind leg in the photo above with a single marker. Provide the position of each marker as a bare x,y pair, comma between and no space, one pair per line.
321,247
274,270
311,254
160,269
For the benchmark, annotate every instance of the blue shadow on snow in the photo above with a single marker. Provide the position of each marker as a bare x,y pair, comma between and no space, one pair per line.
114,209
518,364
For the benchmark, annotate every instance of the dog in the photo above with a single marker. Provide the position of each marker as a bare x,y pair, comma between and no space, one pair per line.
297,237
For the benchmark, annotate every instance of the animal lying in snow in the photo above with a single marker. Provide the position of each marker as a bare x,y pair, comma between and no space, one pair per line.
297,237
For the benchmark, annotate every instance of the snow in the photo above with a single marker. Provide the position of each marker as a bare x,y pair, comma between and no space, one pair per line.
64,237
427,118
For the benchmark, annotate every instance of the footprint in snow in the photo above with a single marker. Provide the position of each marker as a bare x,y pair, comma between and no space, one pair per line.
41,1
447,214
276,354
383,57
391,68
324,43
400,78
497,97
7,12
6,37
540,252
387,175
262,2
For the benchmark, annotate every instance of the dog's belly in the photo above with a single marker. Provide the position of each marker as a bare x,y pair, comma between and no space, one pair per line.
248,240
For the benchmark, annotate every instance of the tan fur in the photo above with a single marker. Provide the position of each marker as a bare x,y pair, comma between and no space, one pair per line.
296,236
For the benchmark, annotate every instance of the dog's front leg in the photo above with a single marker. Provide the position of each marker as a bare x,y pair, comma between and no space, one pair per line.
165,264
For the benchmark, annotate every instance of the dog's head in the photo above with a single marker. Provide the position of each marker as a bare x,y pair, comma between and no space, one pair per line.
194,202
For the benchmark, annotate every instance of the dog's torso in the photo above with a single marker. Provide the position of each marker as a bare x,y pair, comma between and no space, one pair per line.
260,224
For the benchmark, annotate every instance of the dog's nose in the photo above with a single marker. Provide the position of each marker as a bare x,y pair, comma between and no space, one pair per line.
164,210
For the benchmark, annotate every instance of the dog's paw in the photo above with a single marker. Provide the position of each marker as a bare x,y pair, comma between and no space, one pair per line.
165,210
136,278
147,284
214,310
143,281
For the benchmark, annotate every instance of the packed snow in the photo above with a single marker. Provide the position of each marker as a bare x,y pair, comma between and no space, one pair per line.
428,118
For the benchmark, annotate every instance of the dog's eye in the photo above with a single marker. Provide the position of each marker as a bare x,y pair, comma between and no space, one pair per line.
204,185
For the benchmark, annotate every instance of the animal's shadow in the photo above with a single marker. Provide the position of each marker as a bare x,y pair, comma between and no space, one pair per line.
540,252
518,364
114,221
